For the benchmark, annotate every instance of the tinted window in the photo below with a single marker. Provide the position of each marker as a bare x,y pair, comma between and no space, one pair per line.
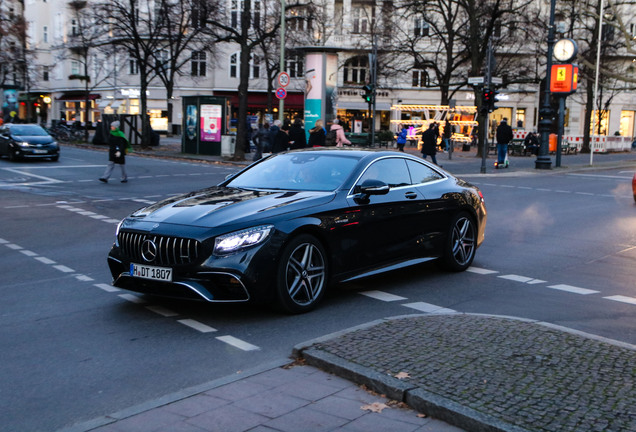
298,171
391,171
421,173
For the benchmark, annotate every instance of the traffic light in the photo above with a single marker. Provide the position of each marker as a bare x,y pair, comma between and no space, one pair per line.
368,93
488,100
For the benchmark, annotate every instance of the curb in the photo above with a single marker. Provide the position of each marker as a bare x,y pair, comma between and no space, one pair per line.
417,398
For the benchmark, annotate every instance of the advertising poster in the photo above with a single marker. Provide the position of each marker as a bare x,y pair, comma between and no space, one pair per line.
211,116
10,105
314,85
191,122
331,86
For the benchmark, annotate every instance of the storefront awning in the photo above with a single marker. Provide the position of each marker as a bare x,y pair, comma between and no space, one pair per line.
259,100
77,97
116,103
104,103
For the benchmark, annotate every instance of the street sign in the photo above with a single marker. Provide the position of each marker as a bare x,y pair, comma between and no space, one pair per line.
496,80
281,93
283,79
475,80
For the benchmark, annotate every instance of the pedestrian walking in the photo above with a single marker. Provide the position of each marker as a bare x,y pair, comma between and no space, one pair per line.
281,141
401,138
117,147
261,141
317,135
341,138
429,143
504,136
297,136
446,135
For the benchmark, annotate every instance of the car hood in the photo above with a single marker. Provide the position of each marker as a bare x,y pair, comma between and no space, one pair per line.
33,139
221,205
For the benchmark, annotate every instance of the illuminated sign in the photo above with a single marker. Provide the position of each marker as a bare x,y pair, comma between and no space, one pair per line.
564,78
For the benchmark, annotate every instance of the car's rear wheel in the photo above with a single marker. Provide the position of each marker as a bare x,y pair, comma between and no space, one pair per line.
461,243
302,274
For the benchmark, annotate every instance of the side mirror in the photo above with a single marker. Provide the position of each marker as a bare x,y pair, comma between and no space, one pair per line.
370,187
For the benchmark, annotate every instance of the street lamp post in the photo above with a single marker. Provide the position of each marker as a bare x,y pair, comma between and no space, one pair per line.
543,161
281,101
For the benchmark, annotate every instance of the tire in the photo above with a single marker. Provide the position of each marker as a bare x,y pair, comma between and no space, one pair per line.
55,158
461,243
302,275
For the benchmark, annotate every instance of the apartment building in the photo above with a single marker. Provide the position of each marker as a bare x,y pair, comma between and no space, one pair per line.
64,78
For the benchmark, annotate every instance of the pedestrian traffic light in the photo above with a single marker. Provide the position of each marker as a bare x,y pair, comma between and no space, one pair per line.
368,93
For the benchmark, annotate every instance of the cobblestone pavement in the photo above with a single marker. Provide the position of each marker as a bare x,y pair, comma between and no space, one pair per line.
490,373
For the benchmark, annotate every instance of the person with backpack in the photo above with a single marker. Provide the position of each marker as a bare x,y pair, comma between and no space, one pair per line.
317,135
401,138
340,139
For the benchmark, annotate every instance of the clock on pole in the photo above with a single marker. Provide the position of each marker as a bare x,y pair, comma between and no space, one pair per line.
565,50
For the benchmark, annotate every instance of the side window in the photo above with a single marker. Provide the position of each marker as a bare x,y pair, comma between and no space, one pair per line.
391,171
420,173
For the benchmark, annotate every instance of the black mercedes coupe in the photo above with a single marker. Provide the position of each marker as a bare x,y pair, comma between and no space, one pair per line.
286,227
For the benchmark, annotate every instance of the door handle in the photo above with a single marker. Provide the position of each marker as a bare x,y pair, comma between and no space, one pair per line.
410,195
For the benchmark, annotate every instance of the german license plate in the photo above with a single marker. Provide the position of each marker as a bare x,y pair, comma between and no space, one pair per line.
40,151
150,272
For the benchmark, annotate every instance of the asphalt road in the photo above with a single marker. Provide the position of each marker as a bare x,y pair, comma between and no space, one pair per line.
560,247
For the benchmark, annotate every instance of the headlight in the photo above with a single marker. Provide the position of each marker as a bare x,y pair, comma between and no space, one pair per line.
22,143
117,232
238,240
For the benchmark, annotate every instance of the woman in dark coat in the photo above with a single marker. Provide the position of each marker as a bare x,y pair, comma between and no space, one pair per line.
317,135
429,143
297,137
281,140
118,144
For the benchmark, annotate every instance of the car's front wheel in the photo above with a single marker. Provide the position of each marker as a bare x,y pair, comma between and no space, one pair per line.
461,243
302,274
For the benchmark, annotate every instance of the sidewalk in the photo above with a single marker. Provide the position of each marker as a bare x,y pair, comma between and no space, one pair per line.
432,372
474,372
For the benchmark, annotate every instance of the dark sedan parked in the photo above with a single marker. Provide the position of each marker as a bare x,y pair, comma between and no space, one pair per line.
18,141
287,226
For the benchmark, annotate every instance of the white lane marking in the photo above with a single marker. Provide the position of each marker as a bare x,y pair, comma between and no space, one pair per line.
114,221
14,246
379,295
63,268
99,217
86,213
106,287
45,179
516,278
622,299
481,271
45,260
132,298
84,278
162,311
29,253
3,241
238,343
573,289
603,176
427,307
197,325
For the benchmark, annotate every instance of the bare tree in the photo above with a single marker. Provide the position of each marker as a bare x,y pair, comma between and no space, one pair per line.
183,31
136,27
245,16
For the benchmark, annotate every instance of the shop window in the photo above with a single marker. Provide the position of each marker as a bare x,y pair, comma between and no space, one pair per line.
521,118
600,122
198,63
356,70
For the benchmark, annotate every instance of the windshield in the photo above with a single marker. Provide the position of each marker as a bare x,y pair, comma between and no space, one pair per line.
28,130
298,171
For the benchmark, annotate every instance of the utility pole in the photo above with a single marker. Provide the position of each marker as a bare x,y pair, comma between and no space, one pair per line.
374,82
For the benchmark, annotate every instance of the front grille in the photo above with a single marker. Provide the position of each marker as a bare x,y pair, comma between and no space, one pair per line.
168,251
